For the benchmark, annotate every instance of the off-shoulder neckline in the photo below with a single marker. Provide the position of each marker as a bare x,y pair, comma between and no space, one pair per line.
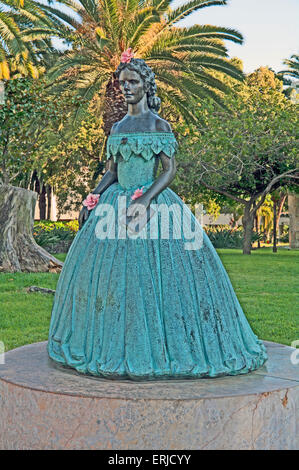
140,133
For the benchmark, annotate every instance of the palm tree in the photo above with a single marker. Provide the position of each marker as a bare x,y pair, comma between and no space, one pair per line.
183,59
25,38
293,67
291,91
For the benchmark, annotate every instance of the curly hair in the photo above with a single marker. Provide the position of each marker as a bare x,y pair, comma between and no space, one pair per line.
148,76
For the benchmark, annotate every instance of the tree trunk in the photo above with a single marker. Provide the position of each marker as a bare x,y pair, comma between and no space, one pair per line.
18,250
49,201
248,223
42,203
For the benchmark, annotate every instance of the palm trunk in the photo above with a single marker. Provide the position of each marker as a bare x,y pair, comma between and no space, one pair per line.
115,105
18,250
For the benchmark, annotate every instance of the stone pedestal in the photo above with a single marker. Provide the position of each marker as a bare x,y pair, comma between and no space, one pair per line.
293,203
44,406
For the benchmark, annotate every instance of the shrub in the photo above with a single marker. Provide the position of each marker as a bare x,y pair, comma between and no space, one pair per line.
284,237
55,236
223,236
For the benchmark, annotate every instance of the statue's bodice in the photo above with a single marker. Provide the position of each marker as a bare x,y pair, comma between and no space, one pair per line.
136,155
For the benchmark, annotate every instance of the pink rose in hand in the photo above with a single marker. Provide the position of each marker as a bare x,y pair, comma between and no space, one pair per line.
137,193
91,201
127,55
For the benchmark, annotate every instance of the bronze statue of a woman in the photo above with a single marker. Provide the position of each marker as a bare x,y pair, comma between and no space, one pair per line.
143,303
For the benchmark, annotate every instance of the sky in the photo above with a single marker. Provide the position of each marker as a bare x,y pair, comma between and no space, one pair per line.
270,29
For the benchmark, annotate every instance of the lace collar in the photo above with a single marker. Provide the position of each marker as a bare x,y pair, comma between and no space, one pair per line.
144,144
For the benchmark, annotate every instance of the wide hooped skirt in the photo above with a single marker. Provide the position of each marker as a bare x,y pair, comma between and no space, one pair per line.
148,308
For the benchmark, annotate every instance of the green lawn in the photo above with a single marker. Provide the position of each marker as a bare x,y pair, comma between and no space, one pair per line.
266,285
267,288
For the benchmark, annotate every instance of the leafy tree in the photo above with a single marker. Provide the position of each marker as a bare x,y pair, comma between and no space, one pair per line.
29,119
248,153
182,58
42,149
72,165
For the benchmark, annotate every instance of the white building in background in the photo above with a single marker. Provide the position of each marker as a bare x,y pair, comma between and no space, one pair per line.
293,200
223,219
70,215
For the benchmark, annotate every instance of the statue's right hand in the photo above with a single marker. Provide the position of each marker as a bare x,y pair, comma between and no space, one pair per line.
83,216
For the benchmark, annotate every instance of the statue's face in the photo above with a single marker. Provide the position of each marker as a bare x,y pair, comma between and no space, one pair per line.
132,86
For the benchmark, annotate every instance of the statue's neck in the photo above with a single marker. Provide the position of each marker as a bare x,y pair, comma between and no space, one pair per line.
138,109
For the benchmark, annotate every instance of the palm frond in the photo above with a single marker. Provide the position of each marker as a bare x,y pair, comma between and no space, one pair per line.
187,8
141,25
161,5
56,15
210,31
215,63
183,58
110,18
74,5
293,64
177,102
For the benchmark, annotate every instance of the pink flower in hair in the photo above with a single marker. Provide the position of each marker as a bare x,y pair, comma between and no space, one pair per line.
127,55
137,193
91,201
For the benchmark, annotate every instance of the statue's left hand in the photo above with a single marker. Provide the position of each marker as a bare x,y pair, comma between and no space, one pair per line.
138,207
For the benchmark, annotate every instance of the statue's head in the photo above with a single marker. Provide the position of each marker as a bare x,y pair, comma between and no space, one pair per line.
136,79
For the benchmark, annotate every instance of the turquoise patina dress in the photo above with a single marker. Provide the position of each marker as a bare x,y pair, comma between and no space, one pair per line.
147,307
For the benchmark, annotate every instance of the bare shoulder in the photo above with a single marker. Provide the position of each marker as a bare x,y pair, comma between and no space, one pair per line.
117,126
120,126
114,128
162,125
